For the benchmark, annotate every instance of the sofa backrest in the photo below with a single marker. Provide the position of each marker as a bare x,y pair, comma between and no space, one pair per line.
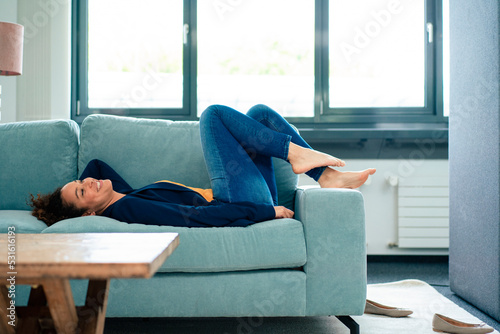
144,151
35,157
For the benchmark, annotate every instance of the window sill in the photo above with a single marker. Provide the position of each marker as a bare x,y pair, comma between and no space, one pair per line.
392,142
438,132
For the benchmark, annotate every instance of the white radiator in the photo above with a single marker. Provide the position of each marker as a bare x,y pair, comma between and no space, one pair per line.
423,215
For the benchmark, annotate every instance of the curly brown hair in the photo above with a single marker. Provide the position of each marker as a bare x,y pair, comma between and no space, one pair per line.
50,208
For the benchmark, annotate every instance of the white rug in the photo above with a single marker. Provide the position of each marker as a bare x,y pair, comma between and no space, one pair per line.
415,295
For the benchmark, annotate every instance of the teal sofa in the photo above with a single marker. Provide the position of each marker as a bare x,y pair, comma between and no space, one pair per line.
313,265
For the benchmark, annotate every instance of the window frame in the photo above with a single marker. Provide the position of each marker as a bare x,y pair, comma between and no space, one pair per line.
79,91
388,114
369,122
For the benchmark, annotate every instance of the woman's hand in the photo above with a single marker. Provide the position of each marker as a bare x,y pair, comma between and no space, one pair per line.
282,212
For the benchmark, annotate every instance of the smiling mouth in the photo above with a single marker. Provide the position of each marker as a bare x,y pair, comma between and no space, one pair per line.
99,185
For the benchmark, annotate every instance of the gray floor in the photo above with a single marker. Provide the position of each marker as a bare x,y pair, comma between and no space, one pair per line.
433,270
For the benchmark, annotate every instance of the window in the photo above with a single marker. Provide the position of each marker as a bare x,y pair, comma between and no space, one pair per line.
132,63
130,58
377,54
322,63
249,54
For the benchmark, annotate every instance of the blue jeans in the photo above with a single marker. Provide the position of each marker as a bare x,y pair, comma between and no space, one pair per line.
238,149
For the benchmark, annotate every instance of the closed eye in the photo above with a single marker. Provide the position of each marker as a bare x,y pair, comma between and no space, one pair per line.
77,191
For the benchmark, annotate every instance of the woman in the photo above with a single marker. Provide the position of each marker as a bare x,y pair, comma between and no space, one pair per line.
237,150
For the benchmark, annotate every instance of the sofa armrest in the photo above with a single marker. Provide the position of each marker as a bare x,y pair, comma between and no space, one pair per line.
334,227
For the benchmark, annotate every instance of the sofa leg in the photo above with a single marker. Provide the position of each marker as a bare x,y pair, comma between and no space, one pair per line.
349,323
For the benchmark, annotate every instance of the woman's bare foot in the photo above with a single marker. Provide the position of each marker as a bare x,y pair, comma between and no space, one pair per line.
332,178
304,159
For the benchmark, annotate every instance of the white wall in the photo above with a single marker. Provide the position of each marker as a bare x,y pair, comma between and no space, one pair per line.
381,200
8,13
44,88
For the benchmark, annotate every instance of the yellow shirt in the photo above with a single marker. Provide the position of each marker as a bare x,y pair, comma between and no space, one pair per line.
206,193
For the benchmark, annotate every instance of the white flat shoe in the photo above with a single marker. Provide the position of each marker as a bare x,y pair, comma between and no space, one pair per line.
443,324
376,308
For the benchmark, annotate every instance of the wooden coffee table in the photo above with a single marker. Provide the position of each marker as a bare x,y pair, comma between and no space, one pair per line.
48,261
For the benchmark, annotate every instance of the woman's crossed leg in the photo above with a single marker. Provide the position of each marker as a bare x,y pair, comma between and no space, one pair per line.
238,150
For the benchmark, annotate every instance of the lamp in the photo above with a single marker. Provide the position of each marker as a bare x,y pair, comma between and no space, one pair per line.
11,50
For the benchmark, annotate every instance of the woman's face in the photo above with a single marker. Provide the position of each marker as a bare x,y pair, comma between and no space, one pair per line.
90,194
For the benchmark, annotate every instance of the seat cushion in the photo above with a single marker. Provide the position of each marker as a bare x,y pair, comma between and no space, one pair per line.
22,221
272,244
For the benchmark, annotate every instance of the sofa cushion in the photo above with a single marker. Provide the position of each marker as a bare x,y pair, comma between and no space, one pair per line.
272,244
36,157
144,151
22,220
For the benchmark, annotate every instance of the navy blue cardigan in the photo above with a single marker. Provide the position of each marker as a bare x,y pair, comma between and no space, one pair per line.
166,203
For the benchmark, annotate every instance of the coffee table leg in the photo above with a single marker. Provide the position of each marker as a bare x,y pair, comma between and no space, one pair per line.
93,314
4,304
61,304
30,324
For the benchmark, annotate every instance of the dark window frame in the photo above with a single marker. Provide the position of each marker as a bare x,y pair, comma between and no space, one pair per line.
326,123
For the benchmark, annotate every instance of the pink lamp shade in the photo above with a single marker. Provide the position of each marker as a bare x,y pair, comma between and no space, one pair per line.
11,48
